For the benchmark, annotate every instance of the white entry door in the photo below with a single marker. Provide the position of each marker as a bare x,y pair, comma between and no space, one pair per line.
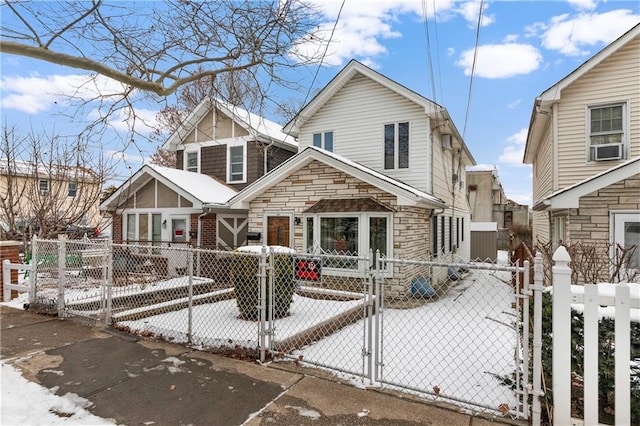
626,233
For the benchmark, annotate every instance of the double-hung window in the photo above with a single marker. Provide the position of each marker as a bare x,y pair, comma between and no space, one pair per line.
606,129
72,189
43,186
396,146
236,166
323,140
191,161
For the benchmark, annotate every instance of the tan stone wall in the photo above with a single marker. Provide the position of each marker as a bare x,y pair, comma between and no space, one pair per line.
591,224
316,181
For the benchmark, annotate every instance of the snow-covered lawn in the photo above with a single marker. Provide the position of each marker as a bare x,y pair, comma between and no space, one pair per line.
455,346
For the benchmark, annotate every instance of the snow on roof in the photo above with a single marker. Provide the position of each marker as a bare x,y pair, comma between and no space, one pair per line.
203,187
260,124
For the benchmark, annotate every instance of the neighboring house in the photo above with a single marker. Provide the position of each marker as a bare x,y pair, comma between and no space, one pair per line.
584,145
380,167
220,149
229,143
489,204
53,194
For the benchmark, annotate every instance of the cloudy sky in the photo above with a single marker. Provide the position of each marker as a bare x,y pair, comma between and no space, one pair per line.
524,47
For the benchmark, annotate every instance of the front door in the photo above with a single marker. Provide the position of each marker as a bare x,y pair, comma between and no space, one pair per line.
626,235
279,231
179,230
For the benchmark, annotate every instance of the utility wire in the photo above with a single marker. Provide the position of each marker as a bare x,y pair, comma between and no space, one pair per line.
473,68
435,27
429,54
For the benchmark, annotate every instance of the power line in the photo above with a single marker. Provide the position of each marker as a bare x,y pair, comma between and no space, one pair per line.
429,59
473,68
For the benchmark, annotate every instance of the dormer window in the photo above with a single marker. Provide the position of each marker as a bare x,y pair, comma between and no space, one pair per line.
323,140
396,146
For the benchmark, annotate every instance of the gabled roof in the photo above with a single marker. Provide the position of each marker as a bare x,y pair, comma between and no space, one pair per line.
569,198
257,126
198,188
352,69
406,194
539,114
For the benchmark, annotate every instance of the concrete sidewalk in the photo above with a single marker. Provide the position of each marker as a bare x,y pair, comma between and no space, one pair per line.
138,381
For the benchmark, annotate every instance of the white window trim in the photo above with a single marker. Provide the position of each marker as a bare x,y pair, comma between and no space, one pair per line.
69,188
363,239
616,216
237,142
625,127
44,191
396,145
289,214
322,139
189,149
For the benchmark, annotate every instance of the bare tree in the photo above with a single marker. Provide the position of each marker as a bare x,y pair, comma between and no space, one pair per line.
164,45
48,182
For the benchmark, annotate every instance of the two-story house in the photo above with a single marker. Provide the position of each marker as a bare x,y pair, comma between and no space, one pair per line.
47,197
220,148
584,145
380,167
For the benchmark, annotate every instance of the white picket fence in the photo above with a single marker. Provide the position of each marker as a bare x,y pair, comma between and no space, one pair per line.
592,296
8,285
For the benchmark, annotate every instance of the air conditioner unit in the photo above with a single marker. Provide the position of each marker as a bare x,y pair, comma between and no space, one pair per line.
608,152
446,141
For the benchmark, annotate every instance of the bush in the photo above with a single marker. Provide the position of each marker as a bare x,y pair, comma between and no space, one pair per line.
246,281
606,375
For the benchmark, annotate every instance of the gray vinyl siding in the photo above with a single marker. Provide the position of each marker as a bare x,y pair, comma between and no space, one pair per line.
356,115
615,79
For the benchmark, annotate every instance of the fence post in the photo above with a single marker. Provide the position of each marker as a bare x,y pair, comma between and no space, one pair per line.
561,313
622,354
369,310
109,275
33,273
190,295
262,274
6,280
62,263
523,292
537,288
378,358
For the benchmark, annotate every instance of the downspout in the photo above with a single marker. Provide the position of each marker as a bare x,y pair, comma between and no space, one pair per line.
554,155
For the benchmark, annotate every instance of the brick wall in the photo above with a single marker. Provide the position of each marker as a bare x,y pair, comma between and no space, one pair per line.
116,229
10,250
316,181
208,229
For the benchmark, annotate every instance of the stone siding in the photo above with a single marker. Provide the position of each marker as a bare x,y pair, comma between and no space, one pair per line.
591,223
316,181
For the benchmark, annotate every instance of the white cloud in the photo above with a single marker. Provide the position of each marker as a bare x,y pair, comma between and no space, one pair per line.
583,4
501,60
514,151
362,27
35,94
451,51
470,9
514,104
124,120
574,36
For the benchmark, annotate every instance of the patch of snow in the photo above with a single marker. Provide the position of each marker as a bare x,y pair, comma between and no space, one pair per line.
27,403
305,412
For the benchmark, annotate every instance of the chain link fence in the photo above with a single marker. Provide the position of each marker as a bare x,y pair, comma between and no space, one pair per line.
389,322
